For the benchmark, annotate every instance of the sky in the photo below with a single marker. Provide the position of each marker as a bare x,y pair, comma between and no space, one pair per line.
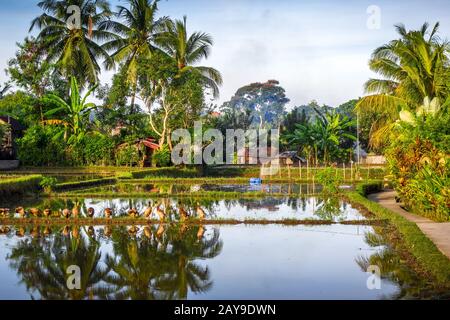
318,50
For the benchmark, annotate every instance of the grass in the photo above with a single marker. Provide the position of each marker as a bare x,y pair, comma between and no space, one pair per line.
413,240
20,185
83,184
192,221
199,194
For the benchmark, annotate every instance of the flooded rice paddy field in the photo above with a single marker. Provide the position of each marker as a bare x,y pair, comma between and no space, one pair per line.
276,188
201,262
176,260
266,208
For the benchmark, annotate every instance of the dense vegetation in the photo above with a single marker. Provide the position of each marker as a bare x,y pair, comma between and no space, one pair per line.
412,102
159,85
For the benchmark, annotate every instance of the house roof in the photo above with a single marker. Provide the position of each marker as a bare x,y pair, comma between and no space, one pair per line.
15,125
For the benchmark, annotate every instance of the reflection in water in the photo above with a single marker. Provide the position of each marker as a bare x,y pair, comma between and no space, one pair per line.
152,263
177,261
394,269
288,189
179,209
42,262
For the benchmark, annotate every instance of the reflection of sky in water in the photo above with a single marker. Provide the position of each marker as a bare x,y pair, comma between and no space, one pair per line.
268,208
264,262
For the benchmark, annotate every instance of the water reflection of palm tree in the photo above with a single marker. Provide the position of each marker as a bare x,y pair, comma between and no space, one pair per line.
135,265
42,264
160,268
184,273
392,266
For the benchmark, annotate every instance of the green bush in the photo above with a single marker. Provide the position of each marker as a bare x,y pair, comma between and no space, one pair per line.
329,179
370,187
48,183
46,146
94,149
42,146
419,163
127,155
162,157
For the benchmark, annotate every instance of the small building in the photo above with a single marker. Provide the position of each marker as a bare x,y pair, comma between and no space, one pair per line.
8,149
373,159
290,158
145,148
270,155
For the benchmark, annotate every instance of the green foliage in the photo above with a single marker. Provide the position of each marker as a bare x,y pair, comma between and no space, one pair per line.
42,146
325,138
83,184
32,71
127,155
367,188
162,157
92,149
412,67
74,50
3,130
419,161
48,183
20,106
187,50
329,179
75,113
45,146
259,104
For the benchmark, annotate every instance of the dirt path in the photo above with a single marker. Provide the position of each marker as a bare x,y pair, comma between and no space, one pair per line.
439,233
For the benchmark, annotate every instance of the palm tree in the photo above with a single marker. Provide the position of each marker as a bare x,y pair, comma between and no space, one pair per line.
322,137
75,50
183,273
189,50
137,36
76,112
135,265
42,264
412,68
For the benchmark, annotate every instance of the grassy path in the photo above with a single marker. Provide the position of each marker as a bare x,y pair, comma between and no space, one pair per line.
439,233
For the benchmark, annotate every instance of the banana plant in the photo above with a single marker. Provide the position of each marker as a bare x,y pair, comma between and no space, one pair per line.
75,113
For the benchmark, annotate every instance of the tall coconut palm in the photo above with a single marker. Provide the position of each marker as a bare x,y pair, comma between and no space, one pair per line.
412,67
188,50
137,36
75,49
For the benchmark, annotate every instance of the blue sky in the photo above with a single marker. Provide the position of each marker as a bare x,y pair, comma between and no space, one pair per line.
316,49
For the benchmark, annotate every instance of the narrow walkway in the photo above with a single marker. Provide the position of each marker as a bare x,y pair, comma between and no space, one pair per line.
439,233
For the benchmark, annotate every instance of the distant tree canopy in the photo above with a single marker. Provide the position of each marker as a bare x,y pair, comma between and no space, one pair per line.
260,104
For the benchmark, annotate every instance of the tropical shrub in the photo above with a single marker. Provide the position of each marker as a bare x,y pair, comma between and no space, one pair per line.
327,138
419,160
329,180
48,183
127,155
162,157
92,149
42,146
